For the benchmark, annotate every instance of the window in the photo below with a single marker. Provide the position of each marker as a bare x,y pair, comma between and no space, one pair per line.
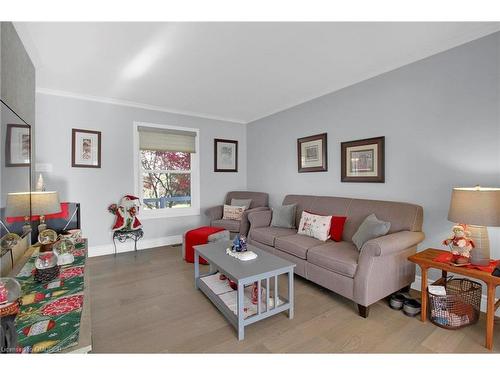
167,171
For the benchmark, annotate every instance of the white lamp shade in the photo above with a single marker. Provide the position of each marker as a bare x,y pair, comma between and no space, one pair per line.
18,204
45,202
475,206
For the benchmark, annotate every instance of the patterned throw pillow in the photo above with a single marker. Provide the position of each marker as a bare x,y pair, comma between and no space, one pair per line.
233,212
316,226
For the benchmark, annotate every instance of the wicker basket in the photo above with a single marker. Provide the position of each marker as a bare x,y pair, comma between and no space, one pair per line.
460,306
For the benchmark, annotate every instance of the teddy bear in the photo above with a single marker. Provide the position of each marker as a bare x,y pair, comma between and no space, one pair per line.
459,242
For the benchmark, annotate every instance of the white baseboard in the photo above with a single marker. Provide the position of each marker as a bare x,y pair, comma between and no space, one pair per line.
95,251
417,284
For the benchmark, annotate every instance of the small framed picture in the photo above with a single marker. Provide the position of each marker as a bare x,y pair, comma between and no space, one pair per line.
363,160
225,155
18,146
86,148
312,155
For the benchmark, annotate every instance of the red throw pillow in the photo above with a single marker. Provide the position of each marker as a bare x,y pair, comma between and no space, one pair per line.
337,227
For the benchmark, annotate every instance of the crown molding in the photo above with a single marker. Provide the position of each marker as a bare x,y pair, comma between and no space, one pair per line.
126,103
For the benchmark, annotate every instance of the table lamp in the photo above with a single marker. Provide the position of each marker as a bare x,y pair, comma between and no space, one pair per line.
478,208
19,205
44,203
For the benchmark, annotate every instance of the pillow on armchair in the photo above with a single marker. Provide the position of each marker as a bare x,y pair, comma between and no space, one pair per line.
241,202
233,212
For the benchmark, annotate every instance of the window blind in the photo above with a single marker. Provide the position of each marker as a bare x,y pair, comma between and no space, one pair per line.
159,139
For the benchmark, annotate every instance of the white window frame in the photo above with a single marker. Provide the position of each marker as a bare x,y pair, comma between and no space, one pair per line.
194,210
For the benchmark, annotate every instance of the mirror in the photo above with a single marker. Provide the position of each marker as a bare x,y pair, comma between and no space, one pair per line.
15,177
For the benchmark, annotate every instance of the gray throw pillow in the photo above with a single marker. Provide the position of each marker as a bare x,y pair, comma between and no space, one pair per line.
284,216
369,229
241,202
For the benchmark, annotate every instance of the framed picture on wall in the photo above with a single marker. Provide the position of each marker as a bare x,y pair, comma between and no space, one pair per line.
312,155
225,155
18,146
363,160
85,148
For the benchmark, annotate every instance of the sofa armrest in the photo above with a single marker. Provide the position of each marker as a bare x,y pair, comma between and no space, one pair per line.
391,243
260,219
245,224
383,266
215,213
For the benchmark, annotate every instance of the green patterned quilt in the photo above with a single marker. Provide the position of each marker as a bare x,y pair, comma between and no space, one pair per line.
49,317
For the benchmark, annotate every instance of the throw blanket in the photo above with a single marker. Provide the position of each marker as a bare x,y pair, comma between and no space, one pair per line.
198,236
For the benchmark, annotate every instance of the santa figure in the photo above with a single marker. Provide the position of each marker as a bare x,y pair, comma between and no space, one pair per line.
126,213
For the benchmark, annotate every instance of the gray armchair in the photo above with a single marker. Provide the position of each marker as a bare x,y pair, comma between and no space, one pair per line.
259,203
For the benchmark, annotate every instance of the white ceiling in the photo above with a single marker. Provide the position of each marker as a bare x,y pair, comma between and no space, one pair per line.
233,71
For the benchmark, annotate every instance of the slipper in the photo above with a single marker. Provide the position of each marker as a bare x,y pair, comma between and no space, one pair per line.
397,300
412,307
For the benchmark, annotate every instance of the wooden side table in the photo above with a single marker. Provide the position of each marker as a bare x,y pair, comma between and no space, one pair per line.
425,260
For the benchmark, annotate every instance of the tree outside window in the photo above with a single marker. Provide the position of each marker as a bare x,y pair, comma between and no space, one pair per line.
166,179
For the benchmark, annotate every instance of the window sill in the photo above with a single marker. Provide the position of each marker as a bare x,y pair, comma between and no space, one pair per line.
168,212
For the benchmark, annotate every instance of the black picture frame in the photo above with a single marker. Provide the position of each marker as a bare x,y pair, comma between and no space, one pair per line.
74,162
218,163
373,163
321,156
8,146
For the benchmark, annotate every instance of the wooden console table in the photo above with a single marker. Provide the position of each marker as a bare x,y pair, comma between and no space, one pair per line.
425,260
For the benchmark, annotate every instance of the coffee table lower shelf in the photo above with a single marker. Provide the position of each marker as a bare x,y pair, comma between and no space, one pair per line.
237,307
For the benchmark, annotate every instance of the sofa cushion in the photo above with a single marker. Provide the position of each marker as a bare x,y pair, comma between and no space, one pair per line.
241,202
258,199
317,226
369,229
337,228
340,257
268,235
284,216
296,244
230,225
233,212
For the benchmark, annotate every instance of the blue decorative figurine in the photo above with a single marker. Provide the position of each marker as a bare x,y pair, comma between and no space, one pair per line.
239,243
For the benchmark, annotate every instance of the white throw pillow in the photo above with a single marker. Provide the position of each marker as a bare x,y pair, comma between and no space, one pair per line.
316,226
233,212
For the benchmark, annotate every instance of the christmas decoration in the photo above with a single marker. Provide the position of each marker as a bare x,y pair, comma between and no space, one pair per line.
459,241
126,214
3,293
239,243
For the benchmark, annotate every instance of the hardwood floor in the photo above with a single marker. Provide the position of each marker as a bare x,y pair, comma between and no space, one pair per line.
148,304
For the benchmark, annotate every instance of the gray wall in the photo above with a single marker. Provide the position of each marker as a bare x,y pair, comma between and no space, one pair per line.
95,189
440,117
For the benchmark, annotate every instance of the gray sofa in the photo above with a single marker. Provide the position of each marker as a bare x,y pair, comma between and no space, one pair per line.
378,270
259,203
